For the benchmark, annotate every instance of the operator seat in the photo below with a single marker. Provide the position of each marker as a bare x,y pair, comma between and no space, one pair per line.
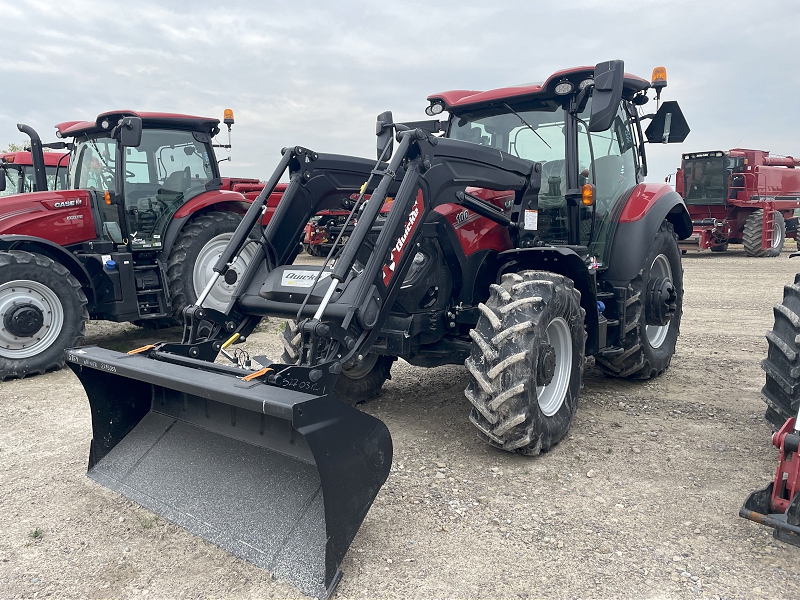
177,182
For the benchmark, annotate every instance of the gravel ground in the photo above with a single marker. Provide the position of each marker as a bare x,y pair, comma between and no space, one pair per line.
640,500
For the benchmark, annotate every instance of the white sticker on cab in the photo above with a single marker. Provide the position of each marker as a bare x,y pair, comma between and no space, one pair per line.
531,220
297,278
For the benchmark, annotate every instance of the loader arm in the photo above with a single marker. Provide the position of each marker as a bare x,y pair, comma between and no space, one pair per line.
182,435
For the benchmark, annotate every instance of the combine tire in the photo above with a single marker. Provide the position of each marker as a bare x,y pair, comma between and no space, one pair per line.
753,232
782,365
42,312
648,345
192,259
355,385
526,362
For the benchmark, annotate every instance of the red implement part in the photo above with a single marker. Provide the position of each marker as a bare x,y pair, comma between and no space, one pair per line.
778,504
785,485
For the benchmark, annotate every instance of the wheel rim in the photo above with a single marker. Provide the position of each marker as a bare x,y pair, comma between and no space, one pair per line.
551,396
776,233
656,334
362,369
24,291
221,294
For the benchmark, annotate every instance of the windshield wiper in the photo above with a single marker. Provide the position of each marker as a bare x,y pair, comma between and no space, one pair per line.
528,125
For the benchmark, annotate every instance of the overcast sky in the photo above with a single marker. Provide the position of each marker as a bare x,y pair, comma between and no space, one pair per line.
317,73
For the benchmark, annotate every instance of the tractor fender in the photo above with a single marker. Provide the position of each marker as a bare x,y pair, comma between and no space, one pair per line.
59,254
216,199
564,261
206,202
643,211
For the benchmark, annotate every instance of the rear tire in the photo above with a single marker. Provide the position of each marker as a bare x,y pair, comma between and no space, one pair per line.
55,302
753,232
195,251
781,391
647,349
526,362
362,382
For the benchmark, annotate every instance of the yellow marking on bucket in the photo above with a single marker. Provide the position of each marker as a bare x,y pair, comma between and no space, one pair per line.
258,373
142,349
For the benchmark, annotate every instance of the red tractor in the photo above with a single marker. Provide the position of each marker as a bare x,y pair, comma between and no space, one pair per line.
521,239
16,169
740,196
132,237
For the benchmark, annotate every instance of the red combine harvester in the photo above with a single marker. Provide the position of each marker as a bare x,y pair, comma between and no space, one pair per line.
740,196
133,236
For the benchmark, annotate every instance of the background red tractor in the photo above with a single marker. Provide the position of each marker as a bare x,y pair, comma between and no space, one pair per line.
16,169
740,196
133,237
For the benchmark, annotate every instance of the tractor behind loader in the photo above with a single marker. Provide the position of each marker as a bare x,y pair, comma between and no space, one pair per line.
520,240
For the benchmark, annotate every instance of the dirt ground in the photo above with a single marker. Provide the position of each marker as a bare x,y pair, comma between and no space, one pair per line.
639,501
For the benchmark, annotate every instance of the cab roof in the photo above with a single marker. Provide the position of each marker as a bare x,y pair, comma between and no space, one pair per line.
456,100
153,120
51,159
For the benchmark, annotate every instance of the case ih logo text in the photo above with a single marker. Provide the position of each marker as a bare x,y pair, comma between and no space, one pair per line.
68,203
399,247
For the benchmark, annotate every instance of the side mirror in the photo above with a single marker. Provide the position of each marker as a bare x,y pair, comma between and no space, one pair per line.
2,179
607,94
385,132
129,132
668,126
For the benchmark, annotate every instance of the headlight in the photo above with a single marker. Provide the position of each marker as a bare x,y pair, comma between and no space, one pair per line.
585,82
565,87
434,109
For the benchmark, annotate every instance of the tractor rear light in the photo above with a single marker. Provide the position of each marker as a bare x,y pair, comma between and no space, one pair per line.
11,159
585,83
565,87
659,79
105,124
587,194
107,197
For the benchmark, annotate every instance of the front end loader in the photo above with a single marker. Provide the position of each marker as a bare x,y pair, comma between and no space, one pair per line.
487,257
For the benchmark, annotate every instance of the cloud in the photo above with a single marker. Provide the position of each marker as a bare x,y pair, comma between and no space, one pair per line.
317,74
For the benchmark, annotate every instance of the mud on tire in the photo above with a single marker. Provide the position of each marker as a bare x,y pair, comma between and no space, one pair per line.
754,230
50,282
781,391
357,385
647,351
514,408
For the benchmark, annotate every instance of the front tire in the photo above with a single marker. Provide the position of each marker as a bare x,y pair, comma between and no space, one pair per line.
358,384
526,362
192,258
647,348
42,313
754,231
781,391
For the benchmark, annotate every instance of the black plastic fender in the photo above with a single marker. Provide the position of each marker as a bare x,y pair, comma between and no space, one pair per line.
632,239
61,255
564,261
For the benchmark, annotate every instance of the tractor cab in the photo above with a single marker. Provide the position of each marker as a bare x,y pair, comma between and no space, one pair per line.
585,131
712,177
17,172
141,179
